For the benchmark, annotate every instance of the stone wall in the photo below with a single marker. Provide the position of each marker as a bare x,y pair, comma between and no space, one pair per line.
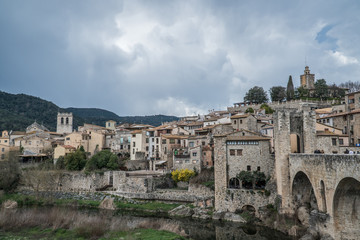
236,199
325,143
123,183
137,164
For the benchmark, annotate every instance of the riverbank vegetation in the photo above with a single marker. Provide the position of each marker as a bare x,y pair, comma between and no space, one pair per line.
67,223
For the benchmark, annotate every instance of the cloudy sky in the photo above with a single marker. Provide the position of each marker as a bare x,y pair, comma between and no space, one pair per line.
171,57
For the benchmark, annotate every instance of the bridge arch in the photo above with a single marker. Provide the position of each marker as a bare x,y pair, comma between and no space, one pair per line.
303,192
249,208
346,208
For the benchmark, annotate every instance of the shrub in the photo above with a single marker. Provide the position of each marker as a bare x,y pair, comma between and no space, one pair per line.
75,161
249,110
103,160
182,175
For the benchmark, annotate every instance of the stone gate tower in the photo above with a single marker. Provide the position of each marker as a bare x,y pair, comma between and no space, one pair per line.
64,123
294,132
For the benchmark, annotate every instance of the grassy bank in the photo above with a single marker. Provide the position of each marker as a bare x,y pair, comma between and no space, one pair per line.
147,207
81,233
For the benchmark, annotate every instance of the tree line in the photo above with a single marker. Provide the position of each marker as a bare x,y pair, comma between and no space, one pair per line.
322,91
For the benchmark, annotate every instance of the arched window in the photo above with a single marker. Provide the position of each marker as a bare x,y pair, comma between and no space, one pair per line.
234,183
67,120
62,120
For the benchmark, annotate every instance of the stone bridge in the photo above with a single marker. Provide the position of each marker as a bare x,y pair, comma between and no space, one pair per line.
330,184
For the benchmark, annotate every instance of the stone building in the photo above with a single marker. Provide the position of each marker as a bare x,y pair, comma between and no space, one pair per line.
236,152
64,123
120,143
352,101
36,127
244,121
4,144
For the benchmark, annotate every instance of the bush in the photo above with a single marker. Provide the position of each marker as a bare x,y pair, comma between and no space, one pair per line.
268,110
75,161
60,163
183,175
249,110
103,160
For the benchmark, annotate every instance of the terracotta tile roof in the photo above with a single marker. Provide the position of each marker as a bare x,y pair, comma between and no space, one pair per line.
239,116
136,131
248,138
67,147
171,136
328,126
195,123
340,114
326,133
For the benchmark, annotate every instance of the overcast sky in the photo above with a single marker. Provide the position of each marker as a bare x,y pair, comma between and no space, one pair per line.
171,57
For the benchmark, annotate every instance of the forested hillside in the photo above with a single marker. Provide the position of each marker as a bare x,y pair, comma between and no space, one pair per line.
17,111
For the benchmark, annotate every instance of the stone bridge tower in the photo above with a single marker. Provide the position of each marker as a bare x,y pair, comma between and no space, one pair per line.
294,132
64,123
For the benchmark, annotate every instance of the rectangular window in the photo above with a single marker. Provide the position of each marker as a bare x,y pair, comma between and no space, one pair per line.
341,141
147,148
172,141
203,143
5,141
121,140
239,152
240,121
234,121
194,154
191,144
258,169
194,161
133,144
2,156
248,167
164,141
121,146
157,141
187,161
232,152
333,141
147,140
3,149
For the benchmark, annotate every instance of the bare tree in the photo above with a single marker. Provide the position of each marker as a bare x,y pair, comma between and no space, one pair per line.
10,171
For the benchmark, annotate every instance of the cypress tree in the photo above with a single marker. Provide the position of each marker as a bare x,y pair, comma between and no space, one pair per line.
290,90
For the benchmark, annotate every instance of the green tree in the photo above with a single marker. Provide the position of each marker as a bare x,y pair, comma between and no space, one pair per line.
301,92
290,93
249,110
268,110
321,89
277,94
256,95
102,160
75,161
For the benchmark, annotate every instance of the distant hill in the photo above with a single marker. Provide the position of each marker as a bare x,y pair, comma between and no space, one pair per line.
99,117
17,111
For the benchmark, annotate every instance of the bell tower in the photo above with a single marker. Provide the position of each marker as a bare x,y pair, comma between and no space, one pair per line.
64,123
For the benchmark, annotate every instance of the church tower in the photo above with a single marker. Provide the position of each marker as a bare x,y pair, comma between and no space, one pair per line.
307,80
64,123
